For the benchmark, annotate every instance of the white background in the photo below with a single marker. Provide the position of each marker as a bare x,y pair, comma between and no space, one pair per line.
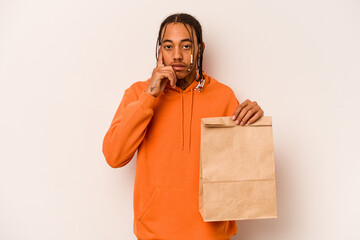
64,66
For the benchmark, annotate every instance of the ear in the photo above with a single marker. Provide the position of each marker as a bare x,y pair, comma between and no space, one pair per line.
201,48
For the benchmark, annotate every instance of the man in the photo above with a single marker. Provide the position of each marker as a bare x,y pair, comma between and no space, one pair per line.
160,117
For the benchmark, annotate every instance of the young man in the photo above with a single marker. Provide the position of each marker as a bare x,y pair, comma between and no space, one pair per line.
160,117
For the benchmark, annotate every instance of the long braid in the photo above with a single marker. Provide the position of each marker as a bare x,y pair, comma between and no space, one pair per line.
194,24
158,42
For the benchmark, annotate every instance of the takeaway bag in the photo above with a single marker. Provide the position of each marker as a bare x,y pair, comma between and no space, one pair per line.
237,170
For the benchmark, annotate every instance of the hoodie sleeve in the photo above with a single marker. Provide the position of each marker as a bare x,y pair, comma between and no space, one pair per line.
127,128
232,105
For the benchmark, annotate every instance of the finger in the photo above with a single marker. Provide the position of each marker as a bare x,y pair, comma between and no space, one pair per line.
249,113
172,72
254,118
160,62
170,69
239,108
241,115
165,74
243,112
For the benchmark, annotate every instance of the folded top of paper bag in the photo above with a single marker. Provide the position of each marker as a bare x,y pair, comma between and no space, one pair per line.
228,122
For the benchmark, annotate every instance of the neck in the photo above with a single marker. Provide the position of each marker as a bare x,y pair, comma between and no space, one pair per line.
187,81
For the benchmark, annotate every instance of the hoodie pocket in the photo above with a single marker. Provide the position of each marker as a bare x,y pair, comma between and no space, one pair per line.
171,211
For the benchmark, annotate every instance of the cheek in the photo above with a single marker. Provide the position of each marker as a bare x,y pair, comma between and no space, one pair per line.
167,59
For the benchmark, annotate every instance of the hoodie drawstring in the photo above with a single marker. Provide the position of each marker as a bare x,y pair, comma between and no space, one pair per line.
191,110
182,121
199,88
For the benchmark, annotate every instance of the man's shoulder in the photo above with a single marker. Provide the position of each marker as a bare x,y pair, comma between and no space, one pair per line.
137,88
218,86
139,85
223,93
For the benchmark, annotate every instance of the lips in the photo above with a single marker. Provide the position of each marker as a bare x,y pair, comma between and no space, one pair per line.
178,67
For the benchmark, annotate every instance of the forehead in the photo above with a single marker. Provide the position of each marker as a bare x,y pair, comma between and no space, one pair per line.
177,32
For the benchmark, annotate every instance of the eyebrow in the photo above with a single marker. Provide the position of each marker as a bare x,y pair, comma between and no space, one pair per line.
183,40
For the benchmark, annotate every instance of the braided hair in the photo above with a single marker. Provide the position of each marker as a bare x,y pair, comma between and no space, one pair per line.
194,24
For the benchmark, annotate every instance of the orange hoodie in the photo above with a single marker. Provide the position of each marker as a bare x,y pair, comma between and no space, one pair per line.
166,132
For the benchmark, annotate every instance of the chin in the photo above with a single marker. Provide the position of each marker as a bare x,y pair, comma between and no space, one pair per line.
181,75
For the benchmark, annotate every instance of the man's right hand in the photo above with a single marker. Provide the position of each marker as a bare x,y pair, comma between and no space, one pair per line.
160,76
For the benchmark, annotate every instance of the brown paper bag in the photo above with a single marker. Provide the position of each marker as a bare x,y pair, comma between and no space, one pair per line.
237,170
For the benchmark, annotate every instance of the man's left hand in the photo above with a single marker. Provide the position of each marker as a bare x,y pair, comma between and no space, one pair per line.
247,113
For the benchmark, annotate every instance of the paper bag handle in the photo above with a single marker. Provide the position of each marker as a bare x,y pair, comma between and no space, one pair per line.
217,122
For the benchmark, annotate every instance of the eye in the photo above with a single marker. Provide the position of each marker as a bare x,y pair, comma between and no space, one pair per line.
167,47
187,46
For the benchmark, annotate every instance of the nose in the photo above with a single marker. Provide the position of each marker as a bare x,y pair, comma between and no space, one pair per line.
177,54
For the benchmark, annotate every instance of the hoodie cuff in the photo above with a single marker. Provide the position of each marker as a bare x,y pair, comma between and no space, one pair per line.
147,100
